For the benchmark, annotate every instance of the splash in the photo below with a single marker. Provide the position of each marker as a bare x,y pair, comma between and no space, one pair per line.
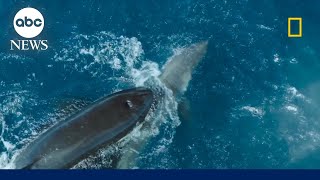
107,58
119,60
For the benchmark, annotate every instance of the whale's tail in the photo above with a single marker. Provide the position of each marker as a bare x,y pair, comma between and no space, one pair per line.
176,74
177,71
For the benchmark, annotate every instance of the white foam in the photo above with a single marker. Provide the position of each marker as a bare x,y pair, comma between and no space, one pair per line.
292,108
8,145
261,26
293,93
276,58
255,111
3,160
294,61
116,64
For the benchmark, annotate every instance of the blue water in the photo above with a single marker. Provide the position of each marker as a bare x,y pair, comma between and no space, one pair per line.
254,99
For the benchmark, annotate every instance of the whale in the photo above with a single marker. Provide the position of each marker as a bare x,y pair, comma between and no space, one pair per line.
177,72
100,124
176,75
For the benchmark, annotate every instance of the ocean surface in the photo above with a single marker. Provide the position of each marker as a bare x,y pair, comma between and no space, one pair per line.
254,99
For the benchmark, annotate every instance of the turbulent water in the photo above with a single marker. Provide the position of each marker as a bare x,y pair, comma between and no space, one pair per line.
253,100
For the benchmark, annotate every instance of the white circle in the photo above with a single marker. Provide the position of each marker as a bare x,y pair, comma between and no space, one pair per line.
28,22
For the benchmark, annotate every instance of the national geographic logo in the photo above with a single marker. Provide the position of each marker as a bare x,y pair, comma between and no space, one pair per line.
28,23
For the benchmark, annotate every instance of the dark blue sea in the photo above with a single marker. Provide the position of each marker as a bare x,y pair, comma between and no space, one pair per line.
254,99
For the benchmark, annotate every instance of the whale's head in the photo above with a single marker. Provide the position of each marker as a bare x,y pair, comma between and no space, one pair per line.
133,102
137,98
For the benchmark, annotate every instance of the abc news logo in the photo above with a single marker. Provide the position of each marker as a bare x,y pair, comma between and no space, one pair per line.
28,23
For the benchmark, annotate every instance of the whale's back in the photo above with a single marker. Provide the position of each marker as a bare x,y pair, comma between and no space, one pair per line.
103,122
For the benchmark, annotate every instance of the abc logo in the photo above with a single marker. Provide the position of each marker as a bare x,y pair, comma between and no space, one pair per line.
28,22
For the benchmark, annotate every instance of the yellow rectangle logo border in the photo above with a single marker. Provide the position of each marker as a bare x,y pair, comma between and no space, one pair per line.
289,26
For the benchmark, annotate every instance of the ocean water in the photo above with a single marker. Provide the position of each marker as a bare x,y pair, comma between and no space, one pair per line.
254,99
